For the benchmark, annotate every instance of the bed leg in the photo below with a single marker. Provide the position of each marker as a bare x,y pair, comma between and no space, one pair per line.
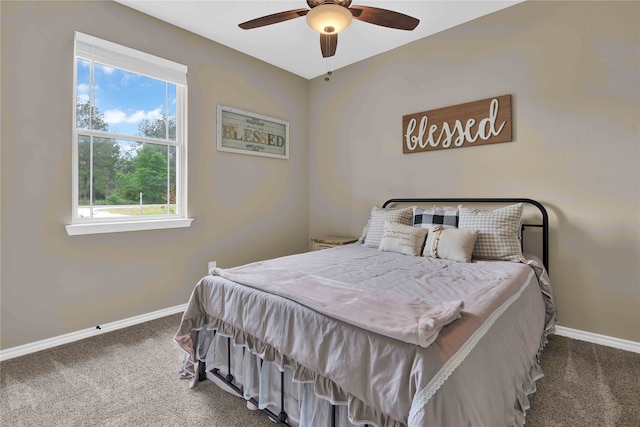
282,416
202,370
229,377
241,391
333,415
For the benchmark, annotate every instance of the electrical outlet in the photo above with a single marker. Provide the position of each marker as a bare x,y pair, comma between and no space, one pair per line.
212,265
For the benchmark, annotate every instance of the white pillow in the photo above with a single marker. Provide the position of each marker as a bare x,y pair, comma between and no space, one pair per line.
499,236
450,243
404,239
375,227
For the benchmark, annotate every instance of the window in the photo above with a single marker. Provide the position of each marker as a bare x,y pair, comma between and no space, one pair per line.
129,139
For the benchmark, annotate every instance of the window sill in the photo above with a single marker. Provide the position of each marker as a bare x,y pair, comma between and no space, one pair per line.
117,227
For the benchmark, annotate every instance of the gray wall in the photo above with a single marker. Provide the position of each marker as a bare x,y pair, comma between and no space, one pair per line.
246,208
571,67
573,71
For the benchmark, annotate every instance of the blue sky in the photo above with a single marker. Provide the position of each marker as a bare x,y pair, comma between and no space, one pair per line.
125,98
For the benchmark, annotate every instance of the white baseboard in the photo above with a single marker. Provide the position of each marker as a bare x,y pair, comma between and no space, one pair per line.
90,332
598,339
22,350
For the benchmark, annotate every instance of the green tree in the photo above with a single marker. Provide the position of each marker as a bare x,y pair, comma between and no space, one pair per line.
159,127
162,128
126,192
84,119
151,174
106,155
119,176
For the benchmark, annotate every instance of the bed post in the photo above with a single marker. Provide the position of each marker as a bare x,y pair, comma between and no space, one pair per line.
333,415
229,377
202,370
282,416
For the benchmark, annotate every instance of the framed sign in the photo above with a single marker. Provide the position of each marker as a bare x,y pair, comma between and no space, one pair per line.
475,123
250,133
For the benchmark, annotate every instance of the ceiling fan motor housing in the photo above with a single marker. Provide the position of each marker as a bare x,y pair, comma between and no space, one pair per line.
314,3
329,18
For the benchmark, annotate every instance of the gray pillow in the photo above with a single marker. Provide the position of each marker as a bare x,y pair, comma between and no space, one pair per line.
499,236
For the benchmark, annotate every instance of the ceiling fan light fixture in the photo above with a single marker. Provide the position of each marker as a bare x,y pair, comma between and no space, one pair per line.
329,18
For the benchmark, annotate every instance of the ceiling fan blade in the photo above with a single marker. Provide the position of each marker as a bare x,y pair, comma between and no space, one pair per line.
328,44
384,17
273,19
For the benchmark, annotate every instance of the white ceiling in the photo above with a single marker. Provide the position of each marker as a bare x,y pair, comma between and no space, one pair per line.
294,46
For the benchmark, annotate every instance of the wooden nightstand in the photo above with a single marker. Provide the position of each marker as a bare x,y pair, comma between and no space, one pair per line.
331,242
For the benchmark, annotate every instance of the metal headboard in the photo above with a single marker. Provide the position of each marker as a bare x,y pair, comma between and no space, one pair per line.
545,217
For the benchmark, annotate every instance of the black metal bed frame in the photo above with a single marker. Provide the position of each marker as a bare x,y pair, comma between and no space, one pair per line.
282,417
544,224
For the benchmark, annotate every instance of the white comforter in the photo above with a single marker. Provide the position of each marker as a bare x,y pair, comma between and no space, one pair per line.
385,381
406,318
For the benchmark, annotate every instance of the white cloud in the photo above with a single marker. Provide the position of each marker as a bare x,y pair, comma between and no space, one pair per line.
140,115
105,69
115,116
83,92
126,78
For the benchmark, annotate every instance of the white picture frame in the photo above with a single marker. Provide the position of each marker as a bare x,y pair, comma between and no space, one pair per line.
243,132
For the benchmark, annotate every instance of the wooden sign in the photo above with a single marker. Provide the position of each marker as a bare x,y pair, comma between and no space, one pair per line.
475,123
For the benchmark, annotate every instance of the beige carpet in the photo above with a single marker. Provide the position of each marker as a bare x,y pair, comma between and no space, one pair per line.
129,378
122,378
586,385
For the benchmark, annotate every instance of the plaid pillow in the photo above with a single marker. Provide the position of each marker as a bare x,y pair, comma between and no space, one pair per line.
375,227
446,217
499,236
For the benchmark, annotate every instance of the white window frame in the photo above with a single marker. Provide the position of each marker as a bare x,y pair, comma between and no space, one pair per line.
111,54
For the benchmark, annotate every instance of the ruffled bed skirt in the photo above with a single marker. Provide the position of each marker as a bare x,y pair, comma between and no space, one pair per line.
262,381
308,400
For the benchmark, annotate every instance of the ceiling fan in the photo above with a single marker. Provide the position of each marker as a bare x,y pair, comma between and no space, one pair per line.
329,17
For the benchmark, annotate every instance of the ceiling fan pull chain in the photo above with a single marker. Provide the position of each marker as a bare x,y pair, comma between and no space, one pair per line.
326,79
328,58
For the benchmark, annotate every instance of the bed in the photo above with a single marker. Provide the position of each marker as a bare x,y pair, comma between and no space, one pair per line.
435,317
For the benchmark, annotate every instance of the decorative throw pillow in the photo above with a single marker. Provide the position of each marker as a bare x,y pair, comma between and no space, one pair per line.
499,236
375,226
446,217
404,239
455,244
